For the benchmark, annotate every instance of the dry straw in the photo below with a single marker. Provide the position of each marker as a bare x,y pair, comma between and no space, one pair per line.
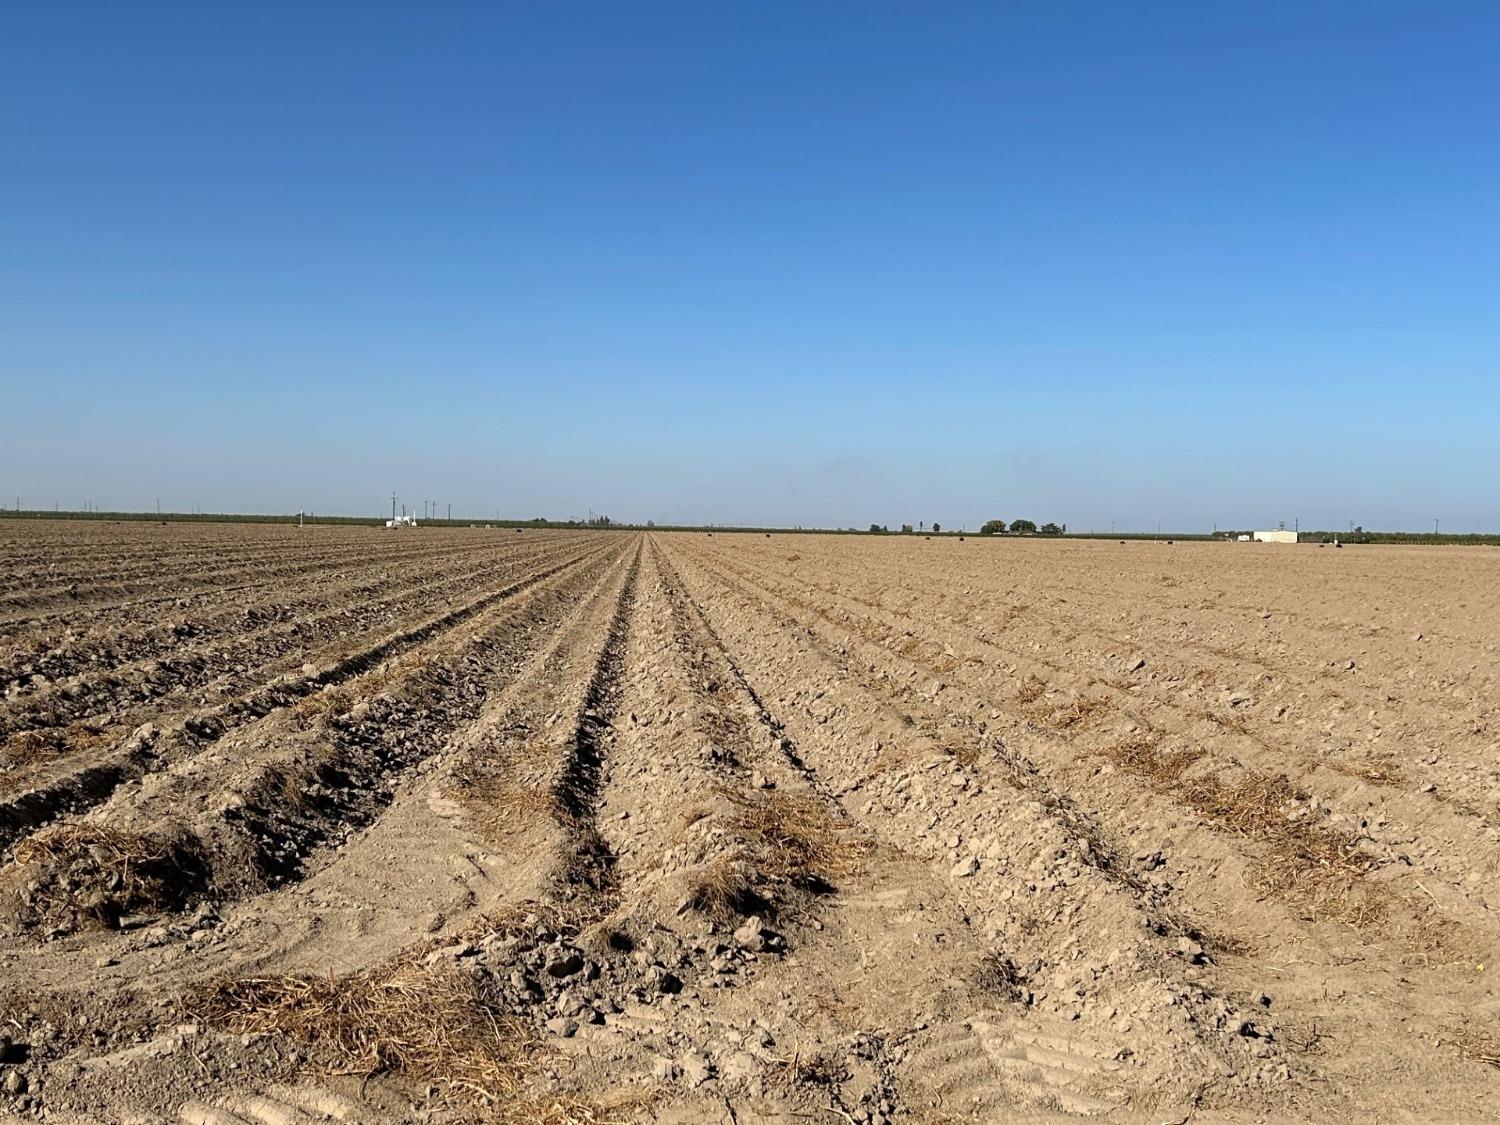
31,747
776,838
419,1018
91,874
796,835
427,1023
1318,869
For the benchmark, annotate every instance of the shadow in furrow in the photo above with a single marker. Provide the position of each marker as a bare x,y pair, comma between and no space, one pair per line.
577,788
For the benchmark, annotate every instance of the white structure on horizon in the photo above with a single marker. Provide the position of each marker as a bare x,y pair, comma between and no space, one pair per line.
402,521
1280,535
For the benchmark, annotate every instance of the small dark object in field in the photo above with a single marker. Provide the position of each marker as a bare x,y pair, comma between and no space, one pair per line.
1169,542
960,538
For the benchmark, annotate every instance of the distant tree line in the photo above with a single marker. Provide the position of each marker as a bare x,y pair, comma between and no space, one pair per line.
990,527
1021,527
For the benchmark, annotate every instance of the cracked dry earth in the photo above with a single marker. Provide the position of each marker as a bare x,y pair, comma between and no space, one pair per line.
345,825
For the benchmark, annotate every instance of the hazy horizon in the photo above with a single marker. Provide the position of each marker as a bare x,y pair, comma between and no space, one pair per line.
441,513
777,265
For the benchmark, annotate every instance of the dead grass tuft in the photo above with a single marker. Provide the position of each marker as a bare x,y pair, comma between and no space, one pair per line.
797,835
430,1024
427,1023
31,747
1030,691
1380,769
1229,720
1318,870
776,838
895,754
997,975
1305,1040
1142,755
1250,805
80,876
335,699
507,803
338,698
498,801
1081,711
27,747
727,888
1479,1048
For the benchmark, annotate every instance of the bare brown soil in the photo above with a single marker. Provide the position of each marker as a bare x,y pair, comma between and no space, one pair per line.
346,824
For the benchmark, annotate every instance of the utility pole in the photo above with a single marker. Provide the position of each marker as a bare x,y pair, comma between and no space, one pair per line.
450,513
1434,525
393,505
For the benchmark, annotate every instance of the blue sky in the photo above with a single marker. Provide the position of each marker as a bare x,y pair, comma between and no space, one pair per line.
798,263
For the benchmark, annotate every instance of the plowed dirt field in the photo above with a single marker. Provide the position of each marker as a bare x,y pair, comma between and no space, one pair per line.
338,824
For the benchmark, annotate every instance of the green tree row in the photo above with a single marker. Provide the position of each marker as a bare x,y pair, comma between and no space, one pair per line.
1021,527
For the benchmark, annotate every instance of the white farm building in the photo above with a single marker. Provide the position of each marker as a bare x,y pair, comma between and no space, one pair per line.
1281,535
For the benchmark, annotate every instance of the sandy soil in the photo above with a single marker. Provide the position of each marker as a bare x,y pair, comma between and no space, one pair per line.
344,824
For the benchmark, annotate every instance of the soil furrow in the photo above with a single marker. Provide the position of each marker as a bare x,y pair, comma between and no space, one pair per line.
680,827
1194,867
1224,690
132,674
1322,861
74,599
71,786
1077,946
299,778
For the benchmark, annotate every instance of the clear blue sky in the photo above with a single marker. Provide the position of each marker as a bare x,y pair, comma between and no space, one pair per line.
781,263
